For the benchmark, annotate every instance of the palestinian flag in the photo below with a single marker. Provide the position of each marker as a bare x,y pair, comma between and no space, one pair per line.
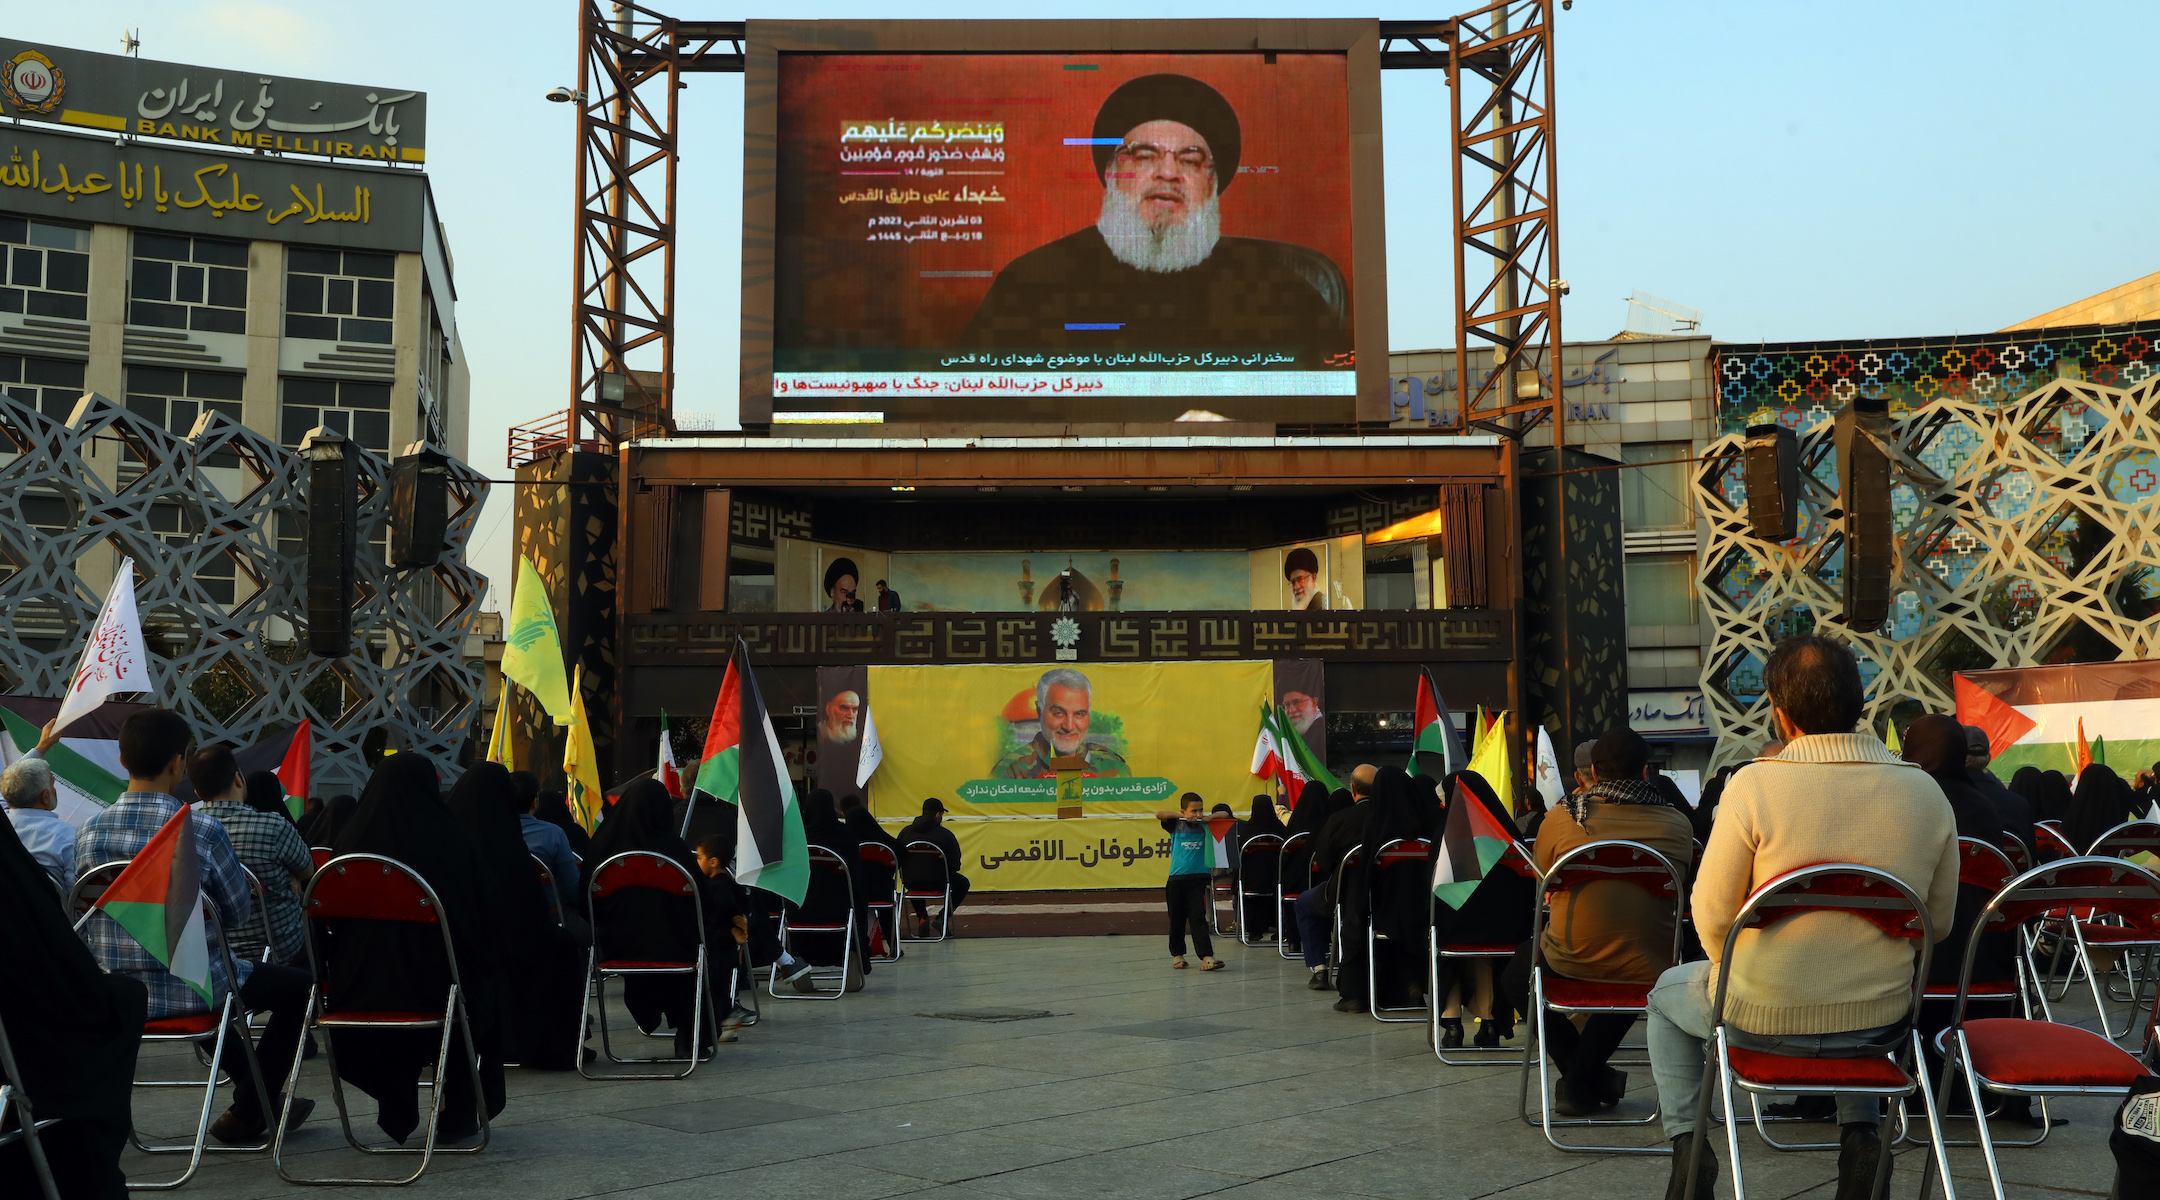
2064,716
1469,846
2084,756
770,850
1435,733
296,774
1219,841
86,766
664,770
158,900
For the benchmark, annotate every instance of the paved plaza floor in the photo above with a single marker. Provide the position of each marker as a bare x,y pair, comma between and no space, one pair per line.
1142,1083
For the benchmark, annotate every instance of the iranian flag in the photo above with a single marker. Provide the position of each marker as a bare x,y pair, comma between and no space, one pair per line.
771,851
1469,846
1269,761
1434,733
158,900
664,770
296,773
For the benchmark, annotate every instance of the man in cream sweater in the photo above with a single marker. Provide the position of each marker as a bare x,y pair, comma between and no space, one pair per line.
1814,983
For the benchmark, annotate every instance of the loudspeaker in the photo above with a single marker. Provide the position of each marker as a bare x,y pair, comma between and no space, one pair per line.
333,534
419,506
1773,482
1864,494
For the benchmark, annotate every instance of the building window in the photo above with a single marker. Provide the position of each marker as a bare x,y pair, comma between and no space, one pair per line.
48,384
1661,590
360,411
1655,497
174,398
47,269
339,295
188,283
1391,576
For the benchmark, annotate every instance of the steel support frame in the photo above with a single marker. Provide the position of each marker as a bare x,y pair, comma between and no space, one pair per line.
623,288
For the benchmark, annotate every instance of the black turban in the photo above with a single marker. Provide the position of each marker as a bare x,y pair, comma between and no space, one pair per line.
840,567
1301,559
1179,98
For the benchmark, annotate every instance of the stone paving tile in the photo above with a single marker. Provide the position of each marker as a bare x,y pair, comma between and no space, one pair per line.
1147,1083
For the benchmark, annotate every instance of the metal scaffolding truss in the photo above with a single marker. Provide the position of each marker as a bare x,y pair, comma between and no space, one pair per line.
2025,533
216,523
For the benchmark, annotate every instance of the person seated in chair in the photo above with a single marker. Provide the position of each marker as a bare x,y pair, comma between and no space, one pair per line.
920,873
1609,931
1820,983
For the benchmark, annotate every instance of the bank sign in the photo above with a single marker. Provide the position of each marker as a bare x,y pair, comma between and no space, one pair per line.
244,110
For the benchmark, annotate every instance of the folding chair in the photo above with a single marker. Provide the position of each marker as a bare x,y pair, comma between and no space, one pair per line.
1882,900
370,887
547,881
259,898
644,869
2014,852
1400,854
1250,851
1610,861
882,855
15,1107
1517,859
228,1020
2125,940
1286,895
2014,1057
794,920
2049,840
920,855
321,855
1351,858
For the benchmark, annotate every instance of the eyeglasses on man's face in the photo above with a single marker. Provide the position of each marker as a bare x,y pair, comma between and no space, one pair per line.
1145,157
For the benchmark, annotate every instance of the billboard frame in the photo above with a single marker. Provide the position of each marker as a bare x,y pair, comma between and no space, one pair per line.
1359,40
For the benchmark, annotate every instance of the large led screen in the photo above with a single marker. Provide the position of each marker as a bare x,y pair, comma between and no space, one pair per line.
1062,226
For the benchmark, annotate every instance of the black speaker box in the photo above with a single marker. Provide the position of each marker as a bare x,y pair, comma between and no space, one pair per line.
1773,482
419,508
1864,493
333,535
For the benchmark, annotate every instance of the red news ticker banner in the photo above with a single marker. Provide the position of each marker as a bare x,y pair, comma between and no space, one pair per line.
908,182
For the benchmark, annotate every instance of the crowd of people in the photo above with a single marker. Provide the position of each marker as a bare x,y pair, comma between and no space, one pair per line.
1826,791
520,938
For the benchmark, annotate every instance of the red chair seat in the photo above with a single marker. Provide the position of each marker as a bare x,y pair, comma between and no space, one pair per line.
920,894
185,1025
2116,935
1579,993
1785,1072
1496,949
2019,1053
376,1016
2001,989
646,964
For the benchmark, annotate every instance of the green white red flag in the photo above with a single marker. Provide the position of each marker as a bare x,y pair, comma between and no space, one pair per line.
1436,748
1470,843
296,775
743,766
1219,841
665,770
158,900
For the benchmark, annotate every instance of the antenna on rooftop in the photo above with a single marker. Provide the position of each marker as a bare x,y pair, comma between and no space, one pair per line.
1659,317
131,41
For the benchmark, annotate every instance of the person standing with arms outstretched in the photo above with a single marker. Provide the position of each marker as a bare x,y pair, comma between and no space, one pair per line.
1187,892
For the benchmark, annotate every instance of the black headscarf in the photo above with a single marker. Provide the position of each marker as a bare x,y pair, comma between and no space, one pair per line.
1311,810
2030,783
2058,796
554,808
1936,744
2101,802
640,819
74,1030
1265,820
330,820
1392,813
266,794
396,965
546,985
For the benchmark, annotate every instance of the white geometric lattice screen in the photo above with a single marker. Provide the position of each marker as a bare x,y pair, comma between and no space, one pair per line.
2044,546
222,598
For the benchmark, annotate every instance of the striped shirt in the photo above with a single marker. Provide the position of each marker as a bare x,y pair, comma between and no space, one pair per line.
269,846
120,832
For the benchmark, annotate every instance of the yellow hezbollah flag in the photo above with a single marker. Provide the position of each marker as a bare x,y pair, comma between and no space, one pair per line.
532,651
1491,760
581,762
499,741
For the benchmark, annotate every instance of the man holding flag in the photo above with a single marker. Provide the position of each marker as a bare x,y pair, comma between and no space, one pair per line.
150,928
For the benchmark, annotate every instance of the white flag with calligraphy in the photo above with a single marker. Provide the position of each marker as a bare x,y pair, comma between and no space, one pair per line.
113,661
873,751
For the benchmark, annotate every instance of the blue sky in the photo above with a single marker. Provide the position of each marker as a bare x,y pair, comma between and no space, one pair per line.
1796,171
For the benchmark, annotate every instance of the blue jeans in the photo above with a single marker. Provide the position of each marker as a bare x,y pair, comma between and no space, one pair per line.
1315,925
1680,1024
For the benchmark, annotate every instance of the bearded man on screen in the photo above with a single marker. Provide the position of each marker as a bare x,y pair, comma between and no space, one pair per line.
1154,272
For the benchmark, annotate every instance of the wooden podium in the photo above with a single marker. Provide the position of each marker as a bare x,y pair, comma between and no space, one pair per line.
1070,768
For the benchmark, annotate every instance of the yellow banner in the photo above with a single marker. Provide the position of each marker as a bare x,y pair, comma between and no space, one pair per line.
981,738
1071,855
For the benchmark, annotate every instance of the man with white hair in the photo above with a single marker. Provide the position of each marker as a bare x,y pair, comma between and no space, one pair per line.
1064,702
32,795
1154,272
